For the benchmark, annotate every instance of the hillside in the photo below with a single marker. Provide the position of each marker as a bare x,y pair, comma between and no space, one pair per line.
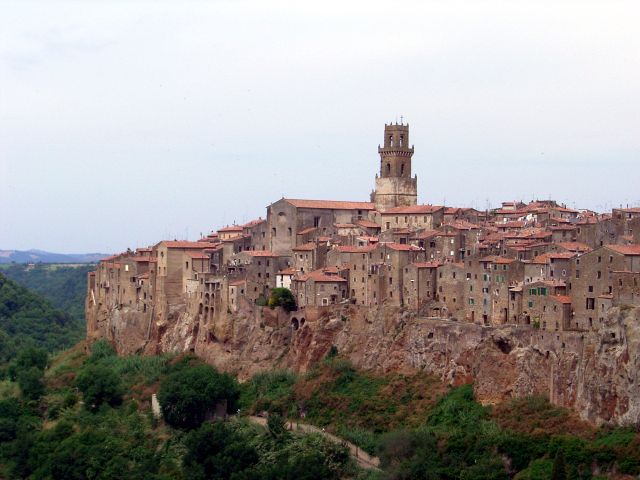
420,429
63,285
91,419
40,256
27,319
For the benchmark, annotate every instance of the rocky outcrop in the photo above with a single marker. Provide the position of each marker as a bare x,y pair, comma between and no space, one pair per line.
595,373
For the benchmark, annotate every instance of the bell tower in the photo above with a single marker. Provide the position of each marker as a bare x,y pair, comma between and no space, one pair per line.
394,185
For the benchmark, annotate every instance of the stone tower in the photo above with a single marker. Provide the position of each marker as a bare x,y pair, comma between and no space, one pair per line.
394,186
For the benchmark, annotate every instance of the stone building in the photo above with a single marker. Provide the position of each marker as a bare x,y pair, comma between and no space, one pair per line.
287,217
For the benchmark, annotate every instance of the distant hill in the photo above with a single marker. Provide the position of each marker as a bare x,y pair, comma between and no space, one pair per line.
64,285
39,256
29,319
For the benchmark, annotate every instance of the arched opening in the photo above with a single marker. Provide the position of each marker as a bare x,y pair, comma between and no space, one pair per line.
402,169
388,168
401,140
294,323
391,140
302,320
200,309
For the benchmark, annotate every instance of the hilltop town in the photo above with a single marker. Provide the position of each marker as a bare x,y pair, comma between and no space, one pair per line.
539,264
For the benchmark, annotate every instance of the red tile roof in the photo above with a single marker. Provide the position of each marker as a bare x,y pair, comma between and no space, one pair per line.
414,209
321,276
330,204
356,249
185,244
575,246
427,264
307,230
625,249
561,298
253,223
287,271
368,224
199,256
231,228
401,247
497,260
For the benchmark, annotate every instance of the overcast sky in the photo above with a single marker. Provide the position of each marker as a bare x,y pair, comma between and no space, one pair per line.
123,123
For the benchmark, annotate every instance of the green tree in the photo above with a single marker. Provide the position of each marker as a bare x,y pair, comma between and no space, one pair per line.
189,396
99,385
282,297
28,358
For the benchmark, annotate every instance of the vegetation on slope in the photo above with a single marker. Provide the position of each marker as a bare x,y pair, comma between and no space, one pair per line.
421,430
65,286
91,419
28,320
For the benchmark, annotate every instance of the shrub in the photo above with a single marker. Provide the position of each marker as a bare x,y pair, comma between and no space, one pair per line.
99,385
31,384
189,396
282,297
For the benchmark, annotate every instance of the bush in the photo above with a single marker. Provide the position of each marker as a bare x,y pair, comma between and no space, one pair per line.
282,297
31,383
189,396
99,385
214,451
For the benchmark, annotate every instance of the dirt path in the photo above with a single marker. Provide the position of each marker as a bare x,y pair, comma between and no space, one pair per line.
363,458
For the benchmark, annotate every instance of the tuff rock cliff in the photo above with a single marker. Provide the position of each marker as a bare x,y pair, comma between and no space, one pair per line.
594,373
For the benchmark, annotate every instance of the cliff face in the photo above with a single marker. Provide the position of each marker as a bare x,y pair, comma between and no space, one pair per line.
595,373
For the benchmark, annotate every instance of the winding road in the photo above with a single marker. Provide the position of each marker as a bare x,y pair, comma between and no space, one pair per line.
363,458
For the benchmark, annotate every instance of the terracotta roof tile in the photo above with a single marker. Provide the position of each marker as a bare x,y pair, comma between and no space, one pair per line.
427,264
368,224
356,249
185,244
625,249
414,209
401,247
561,298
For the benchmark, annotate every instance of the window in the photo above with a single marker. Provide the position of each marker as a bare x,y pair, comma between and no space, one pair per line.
577,273
390,280
402,169
599,274
530,304
610,258
599,259
590,288
591,303
316,221
472,301
290,231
